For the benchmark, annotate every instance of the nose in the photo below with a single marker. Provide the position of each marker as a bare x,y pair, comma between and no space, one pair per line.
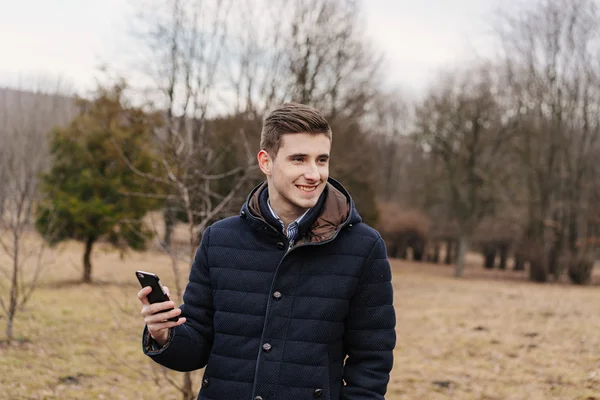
312,172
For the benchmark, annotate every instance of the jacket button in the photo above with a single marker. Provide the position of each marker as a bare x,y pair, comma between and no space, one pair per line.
266,347
277,295
243,214
205,382
280,245
258,398
318,393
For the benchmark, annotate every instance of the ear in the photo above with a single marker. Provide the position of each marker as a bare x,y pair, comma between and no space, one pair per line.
264,162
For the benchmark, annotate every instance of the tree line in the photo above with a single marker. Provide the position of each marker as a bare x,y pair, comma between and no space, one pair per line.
498,157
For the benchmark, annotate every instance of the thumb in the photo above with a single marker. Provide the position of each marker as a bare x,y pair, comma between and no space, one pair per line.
167,291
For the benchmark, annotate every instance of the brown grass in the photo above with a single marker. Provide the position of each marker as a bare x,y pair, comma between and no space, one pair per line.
490,335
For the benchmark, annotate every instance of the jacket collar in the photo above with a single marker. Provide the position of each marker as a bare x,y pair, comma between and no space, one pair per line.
334,210
305,223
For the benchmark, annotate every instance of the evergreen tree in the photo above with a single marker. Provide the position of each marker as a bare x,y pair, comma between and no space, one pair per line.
95,188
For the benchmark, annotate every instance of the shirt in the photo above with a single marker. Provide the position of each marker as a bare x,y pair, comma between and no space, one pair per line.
292,229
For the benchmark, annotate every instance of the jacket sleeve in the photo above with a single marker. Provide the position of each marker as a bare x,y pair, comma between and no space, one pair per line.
370,335
189,344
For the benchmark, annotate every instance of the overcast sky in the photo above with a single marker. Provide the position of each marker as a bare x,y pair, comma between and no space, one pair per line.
71,38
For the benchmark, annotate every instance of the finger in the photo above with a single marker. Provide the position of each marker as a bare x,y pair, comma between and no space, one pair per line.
155,328
166,290
161,317
143,294
158,326
158,308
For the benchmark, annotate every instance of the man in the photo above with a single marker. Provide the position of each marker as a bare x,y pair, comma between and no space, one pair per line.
292,298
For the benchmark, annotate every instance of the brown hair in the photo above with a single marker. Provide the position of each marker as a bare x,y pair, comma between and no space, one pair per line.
291,118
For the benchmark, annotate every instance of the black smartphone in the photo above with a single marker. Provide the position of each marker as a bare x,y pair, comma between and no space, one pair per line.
157,295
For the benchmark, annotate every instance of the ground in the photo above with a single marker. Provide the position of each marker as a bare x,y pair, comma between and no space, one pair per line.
489,335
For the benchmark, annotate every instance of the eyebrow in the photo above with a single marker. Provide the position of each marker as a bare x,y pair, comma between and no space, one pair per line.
306,155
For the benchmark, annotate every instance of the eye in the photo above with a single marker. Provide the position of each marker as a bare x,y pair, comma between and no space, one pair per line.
298,159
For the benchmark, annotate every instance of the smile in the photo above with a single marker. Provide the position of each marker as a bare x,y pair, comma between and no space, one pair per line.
306,188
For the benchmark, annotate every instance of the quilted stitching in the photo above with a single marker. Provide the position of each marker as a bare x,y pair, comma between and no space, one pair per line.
336,301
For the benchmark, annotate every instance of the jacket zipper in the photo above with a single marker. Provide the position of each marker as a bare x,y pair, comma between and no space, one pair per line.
290,247
262,336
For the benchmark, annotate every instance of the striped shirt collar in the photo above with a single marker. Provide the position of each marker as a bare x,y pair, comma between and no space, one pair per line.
292,229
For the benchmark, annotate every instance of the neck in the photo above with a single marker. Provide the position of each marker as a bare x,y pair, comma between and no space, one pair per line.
285,211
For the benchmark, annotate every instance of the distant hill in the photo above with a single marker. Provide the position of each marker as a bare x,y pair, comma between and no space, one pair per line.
40,112
26,119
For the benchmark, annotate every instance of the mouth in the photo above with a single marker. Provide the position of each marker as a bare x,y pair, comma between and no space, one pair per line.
307,189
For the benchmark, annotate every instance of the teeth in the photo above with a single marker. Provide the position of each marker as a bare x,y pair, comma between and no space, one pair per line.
307,188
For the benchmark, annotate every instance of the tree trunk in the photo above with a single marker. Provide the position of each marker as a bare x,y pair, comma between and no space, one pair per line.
188,389
538,271
391,250
554,267
169,218
418,250
12,306
489,254
463,247
435,253
449,252
519,263
9,327
503,256
538,264
402,251
580,269
87,259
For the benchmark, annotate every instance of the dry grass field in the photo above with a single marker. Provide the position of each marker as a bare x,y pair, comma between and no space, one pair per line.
490,335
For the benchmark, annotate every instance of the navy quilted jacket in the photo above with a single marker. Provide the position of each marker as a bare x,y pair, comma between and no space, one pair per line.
274,321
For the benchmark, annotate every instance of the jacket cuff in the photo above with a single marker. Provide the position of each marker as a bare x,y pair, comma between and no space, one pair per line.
151,347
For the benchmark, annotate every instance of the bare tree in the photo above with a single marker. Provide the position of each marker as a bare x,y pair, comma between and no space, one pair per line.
186,47
256,71
216,71
330,64
390,118
550,56
26,118
329,60
460,124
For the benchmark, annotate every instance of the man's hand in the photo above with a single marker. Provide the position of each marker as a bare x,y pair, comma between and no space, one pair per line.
156,317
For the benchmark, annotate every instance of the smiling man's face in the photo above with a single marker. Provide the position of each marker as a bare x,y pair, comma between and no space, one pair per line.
298,174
